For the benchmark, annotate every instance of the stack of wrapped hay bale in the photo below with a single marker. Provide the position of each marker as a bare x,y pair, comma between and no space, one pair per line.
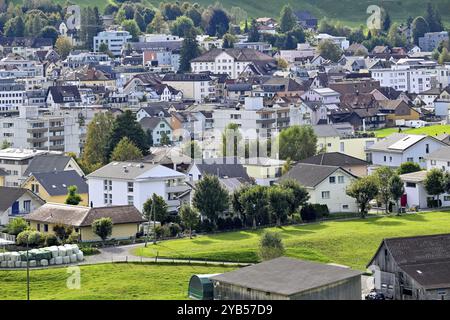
55,255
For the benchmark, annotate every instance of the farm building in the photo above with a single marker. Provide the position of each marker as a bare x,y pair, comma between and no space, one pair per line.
288,279
413,268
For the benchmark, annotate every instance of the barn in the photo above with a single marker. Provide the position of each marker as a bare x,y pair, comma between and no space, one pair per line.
288,279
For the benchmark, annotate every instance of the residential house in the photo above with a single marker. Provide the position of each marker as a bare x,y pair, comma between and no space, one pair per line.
227,167
351,164
63,97
432,40
341,42
288,279
413,268
53,186
398,110
399,147
265,171
194,86
306,19
133,183
17,202
325,185
157,128
52,162
232,61
324,95
115,40
125,219
439,159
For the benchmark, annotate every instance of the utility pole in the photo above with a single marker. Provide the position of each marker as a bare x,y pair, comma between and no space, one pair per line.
28,275
154,219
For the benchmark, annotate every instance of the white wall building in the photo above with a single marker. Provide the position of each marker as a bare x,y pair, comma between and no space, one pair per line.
341,42
132,183
114,39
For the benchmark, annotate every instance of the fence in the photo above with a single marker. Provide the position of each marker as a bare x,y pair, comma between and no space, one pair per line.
8,237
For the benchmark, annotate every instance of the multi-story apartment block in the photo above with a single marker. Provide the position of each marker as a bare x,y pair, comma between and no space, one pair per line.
431,40
11,95
45,132
229,61
114,39
408,75
197,87
133,183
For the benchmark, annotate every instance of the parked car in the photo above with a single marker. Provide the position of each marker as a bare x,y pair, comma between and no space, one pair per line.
374,295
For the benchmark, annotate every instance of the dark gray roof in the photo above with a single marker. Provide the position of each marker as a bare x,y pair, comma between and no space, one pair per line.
150,123
57,182
59,92
440,154
286,276
186,77
9,195
310,175
46,163
223,168
334,159
325,130
425,258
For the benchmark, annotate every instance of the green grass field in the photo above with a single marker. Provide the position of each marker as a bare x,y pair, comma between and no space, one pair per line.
350,12
351,242
106,282
431,131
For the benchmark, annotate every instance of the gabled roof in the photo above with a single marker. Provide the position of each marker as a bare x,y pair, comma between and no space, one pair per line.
134,170
440,154
46,163
424,258
57,182
334,159
310,175
150,123
325,130
399,142
223,168
79,216
59,92
9,195
186,77
286,276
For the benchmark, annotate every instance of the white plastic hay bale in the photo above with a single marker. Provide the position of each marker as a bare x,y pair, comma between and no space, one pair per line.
73,258
23,264
11,264
75,249
80,256
51,261
69,250
18,264
7,256
58,260
2,257
44,262
53,250
15,256
33,263
66,259
61,251
4,264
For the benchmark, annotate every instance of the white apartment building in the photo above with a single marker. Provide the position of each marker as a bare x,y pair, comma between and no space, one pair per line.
12,95
25,68
341,42
159,37
324,95
114,39
228,61
55,132
408,75
133,183
197,87
15,161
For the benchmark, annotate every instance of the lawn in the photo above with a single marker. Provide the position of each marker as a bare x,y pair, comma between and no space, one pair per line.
351,242
106,282
430,130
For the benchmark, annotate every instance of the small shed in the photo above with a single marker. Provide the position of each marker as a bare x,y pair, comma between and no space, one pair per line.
201,287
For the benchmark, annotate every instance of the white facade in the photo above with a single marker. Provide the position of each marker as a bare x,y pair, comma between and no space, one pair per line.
331,192
25,204
135,189
341,42
324,95
114,39
222,64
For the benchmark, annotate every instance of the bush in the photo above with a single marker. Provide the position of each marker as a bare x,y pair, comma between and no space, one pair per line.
173,218
174,229
90,251
73,238
308,213
434,203
228,223
270,246
35,238
50,240
321,210
296,218
206,226
16,226
237,223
